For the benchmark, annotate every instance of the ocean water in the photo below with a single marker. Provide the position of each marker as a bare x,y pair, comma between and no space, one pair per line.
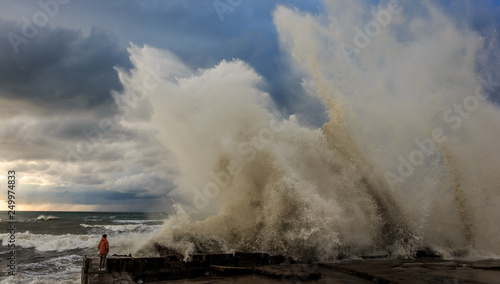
50,245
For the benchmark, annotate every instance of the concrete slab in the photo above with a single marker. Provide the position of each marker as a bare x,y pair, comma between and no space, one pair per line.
122,277
203,270
328,276
100,278
230,270
296,272
420,271
96,276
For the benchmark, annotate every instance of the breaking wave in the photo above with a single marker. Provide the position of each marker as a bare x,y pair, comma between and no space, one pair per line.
123,228
46,218
409,157
122,242
45,242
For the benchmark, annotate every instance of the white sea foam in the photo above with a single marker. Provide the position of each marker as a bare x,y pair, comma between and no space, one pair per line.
46,217
123,228
45,242
137,221
70,278
89,226
121,241
64,269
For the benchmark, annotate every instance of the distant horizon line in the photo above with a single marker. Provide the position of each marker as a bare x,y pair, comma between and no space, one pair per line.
85,211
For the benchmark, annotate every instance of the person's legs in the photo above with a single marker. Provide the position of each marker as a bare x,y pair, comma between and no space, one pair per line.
104,261
101,262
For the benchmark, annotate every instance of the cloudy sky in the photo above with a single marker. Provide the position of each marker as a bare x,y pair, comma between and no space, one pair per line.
59,129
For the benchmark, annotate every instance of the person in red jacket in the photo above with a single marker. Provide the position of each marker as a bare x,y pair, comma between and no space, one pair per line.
103,251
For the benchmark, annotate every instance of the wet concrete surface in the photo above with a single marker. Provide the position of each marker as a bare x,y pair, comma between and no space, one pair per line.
327,276
423,270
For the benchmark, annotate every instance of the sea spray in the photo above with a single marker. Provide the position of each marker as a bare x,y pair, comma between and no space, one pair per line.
323,193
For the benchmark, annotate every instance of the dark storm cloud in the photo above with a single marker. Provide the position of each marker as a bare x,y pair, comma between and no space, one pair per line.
202,33
60,68
35,138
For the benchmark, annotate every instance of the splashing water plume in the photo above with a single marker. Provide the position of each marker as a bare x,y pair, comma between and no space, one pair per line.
394,169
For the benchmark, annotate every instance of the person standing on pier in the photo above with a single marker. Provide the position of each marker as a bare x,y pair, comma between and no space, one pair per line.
103,251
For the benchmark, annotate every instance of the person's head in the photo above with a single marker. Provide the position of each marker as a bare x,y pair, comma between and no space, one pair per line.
105,236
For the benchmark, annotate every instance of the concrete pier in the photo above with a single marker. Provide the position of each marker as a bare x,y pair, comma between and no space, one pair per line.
263,268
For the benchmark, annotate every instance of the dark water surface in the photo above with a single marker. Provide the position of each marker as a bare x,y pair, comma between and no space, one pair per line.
50,245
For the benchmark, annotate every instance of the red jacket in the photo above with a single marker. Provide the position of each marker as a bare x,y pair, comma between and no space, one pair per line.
103,246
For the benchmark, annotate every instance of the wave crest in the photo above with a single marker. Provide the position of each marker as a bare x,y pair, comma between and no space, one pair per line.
46,218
